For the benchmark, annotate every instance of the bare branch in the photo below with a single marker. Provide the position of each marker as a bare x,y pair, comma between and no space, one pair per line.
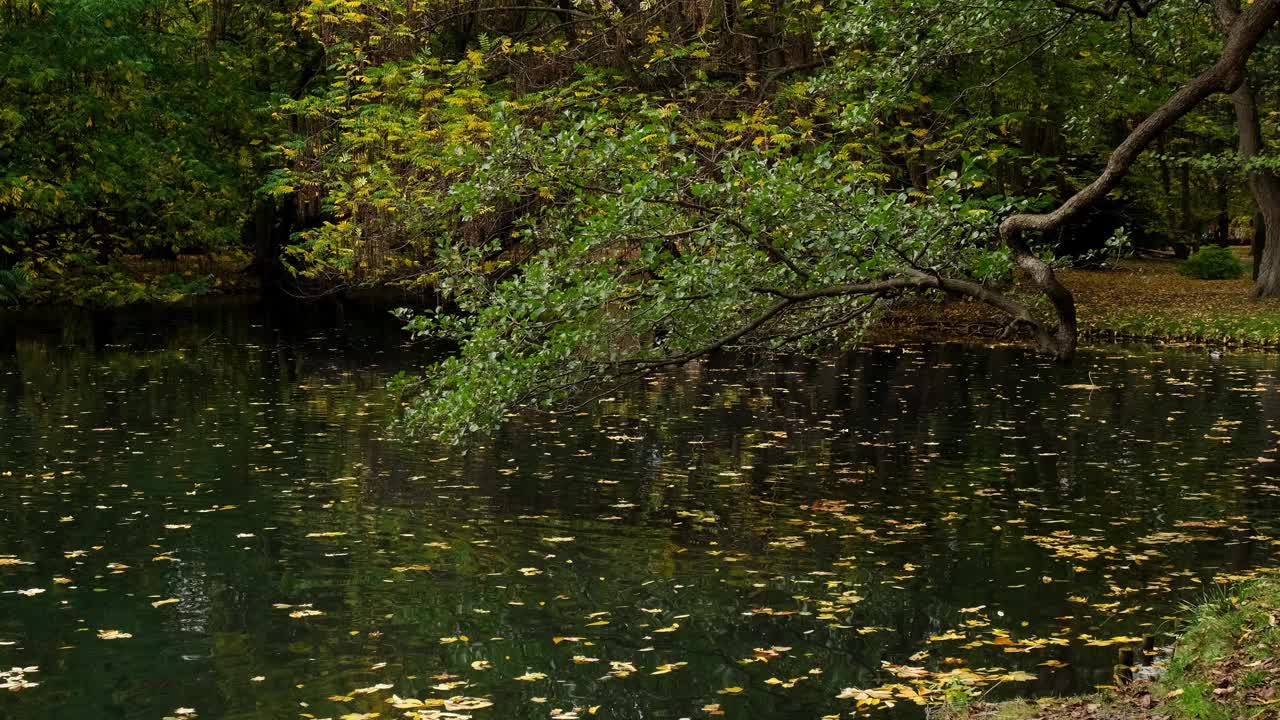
554,10
1112,9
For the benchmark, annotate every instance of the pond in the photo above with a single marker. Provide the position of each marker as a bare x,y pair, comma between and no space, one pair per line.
205,513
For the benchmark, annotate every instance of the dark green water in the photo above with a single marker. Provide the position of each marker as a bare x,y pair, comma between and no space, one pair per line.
784,528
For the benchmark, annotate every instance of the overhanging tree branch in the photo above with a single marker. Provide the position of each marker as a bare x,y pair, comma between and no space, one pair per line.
1223,77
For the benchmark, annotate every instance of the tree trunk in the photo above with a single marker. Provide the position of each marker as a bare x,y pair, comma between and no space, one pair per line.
1189,237
1264,185
266,230
1267,280
1223,231
1259,242
1226,76
1166,179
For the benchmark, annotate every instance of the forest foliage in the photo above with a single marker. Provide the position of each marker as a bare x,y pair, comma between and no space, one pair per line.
599,188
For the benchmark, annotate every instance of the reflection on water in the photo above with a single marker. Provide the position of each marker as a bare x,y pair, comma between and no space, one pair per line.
220,484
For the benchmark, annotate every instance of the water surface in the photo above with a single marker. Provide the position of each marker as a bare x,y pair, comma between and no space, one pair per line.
218,484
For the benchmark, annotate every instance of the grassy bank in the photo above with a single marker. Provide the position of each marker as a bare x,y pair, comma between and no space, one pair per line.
1144,300
1225,666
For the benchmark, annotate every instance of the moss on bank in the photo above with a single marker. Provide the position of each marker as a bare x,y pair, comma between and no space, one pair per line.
1225,666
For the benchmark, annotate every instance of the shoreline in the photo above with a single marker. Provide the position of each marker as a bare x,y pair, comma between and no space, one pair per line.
1133,301
1225,665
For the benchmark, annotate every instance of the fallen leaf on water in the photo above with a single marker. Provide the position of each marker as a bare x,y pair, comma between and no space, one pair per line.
444,687
411,568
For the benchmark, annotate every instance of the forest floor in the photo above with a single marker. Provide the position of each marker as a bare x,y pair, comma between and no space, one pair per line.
1140,300
1226,666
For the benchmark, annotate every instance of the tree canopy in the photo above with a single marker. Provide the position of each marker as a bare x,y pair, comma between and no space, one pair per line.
599,188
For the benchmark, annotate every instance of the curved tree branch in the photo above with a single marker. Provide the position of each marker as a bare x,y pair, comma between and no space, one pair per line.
1223,77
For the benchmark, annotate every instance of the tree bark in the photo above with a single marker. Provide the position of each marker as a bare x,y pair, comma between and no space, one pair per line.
1264,185
1222,233
1166,179
1190,239
270,230
1259,242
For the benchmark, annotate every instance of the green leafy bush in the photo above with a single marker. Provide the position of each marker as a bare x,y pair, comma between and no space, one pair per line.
15,285
1213,263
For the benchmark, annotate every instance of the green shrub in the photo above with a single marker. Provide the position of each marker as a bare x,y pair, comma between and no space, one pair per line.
15,285
1213,263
